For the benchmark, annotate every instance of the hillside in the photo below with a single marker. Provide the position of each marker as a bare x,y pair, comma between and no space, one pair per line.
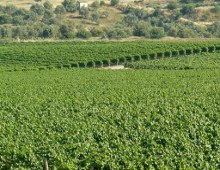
83,87
65,19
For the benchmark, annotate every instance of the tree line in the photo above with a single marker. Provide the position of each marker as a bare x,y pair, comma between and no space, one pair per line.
42,20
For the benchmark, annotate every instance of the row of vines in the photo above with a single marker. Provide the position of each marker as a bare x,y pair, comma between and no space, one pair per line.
93,120
194,61
95,54
104,119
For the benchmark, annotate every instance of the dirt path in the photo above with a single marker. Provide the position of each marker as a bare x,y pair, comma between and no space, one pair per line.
118,67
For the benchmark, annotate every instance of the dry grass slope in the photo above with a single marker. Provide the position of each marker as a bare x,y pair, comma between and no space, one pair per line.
27,3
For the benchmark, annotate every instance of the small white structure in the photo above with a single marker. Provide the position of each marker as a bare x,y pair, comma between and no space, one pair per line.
125,3
83,4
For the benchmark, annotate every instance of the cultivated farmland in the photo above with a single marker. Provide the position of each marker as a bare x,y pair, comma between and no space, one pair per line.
162,115
43,55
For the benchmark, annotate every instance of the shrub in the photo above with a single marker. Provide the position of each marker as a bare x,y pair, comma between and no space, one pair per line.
157,32
5,19
48,5
172,5
70,5
114,2
96,32
96,4
60,10
187,9
66,31
84,12
142,29
216,9
83,33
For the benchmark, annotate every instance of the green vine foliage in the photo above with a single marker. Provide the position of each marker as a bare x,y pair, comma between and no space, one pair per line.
107,119
53,55
196,61
164,116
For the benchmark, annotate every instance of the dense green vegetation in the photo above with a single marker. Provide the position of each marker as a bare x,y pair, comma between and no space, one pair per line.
198,61
42,55
107,20
164,115
101,119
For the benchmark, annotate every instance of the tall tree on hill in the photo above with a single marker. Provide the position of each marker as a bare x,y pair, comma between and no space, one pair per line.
10,9
114,2
157,32
60,10
5,19
66,31
70,5
214,29
6,31
18,20
38,9
187,9
84,12
48,5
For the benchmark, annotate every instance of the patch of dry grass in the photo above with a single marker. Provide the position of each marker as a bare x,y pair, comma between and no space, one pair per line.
115,15
27,3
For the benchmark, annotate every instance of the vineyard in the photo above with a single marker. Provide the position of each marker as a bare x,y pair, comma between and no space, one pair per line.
103,119
49,55
163,113
196,61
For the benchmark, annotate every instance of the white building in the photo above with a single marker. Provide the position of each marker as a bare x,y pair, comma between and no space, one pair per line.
83,4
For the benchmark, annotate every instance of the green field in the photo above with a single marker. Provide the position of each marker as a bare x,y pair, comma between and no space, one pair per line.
25,56
163,116
198,61
110,119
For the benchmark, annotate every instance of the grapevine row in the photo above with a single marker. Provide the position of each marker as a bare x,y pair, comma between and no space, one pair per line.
96,54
